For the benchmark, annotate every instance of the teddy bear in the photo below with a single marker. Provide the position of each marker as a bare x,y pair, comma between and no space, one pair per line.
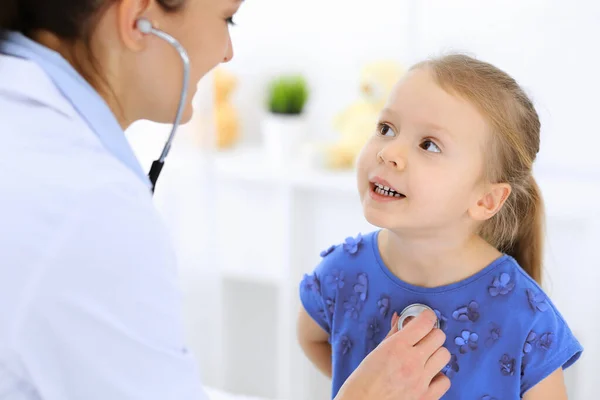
225,114
357,122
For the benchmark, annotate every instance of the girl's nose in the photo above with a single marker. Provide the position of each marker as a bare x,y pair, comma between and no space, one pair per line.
394,154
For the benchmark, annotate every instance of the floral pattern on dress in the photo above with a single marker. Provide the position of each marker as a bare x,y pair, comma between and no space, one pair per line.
501,285
466,313
351,244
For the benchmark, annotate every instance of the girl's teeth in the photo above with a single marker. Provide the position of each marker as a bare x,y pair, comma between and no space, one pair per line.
382,191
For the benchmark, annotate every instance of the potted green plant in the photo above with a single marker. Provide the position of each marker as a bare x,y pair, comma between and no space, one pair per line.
284,125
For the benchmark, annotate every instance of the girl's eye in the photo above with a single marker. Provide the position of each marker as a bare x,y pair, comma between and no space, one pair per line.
429,145
230,21
385,130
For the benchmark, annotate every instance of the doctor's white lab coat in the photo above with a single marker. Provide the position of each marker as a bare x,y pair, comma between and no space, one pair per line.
89,304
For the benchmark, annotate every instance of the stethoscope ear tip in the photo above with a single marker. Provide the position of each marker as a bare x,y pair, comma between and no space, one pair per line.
144,25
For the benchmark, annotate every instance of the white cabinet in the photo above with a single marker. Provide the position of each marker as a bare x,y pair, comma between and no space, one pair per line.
273,223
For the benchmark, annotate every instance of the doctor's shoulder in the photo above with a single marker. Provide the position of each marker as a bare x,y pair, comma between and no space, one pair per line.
59,179
51,154
46,140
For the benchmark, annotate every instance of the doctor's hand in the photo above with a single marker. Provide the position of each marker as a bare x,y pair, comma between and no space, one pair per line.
405,366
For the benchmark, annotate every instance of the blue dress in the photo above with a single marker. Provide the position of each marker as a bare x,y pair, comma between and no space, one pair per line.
503,332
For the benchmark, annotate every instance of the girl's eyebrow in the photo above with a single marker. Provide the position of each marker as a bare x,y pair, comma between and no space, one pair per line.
393,116
437,128
388,113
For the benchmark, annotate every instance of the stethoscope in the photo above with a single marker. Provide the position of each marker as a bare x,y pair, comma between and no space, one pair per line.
146,27
413,311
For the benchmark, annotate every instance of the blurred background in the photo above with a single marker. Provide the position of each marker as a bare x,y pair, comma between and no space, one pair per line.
261,180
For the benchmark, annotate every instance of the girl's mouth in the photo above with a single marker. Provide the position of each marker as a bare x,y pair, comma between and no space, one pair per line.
386,191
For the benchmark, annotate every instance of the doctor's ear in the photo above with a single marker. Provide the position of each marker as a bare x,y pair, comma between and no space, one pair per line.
490,202
128,13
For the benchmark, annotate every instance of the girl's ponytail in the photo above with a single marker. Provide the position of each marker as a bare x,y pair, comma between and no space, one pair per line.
517,229
527,247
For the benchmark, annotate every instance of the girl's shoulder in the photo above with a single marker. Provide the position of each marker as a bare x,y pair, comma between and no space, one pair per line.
351,259
509,287
524,294
342,271
352,252
529,318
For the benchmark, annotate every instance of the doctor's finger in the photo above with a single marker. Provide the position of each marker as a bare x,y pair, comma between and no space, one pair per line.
438,387
431,343
437,362
394,325
419,328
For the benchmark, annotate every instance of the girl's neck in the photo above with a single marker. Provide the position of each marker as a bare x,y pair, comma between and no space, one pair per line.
434,261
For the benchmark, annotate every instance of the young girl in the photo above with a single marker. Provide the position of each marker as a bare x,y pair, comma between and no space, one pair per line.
447,176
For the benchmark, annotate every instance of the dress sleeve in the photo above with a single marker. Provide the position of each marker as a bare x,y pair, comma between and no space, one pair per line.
317,289
550,344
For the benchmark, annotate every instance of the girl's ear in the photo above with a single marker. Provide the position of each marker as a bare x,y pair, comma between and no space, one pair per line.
491,202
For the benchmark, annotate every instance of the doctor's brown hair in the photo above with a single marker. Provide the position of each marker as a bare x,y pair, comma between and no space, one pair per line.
517,229
71,20
68,19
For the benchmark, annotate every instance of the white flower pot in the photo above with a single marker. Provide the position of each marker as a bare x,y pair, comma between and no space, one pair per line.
283,136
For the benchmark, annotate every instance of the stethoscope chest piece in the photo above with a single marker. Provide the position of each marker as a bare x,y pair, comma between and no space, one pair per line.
411,312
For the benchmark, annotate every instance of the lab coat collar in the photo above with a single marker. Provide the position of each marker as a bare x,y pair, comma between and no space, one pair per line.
26,80
83,98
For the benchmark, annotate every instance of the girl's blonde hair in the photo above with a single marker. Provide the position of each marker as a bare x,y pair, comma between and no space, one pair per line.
518,227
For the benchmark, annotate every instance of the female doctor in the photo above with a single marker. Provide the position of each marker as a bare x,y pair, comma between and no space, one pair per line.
89,306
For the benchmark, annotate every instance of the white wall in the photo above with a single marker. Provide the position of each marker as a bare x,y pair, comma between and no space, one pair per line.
549,46
327,40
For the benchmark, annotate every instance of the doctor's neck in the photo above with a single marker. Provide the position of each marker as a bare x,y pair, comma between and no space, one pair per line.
101,71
